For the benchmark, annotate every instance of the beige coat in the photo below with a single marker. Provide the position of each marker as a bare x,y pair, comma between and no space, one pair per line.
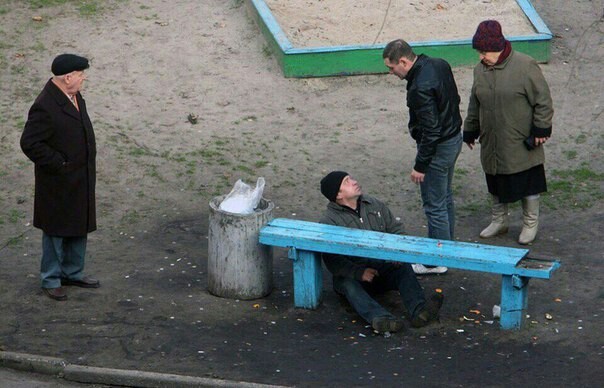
508,103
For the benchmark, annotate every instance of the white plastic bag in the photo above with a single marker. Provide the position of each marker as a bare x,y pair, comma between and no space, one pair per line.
243,199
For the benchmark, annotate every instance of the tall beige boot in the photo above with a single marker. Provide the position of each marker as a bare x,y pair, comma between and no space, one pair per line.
530,219
499,219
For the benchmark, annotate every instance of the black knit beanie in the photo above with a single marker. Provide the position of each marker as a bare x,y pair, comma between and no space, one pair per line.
330,184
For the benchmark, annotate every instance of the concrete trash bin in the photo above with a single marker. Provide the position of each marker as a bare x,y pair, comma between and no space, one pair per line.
239,267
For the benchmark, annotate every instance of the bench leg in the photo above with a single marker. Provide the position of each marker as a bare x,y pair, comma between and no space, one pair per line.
514,300
308,278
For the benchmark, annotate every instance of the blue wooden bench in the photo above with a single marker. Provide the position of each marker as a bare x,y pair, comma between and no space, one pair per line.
307,240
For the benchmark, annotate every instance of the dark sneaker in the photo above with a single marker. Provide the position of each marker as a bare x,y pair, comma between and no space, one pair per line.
430,312
387,324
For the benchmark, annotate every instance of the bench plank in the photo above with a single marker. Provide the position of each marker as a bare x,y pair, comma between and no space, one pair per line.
317,237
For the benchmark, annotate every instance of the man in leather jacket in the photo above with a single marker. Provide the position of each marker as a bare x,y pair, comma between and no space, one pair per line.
435,125
357,278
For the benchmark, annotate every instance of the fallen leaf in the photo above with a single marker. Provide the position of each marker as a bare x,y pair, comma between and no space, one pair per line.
439,290
475,311
256,306
37,18
557,300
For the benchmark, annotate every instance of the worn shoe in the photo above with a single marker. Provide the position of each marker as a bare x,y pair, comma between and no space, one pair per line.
85,282
421,269
387,324
55,293
430,312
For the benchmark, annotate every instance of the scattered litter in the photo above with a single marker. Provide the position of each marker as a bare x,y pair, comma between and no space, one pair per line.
192,117
548,316
467,319
460,330
37,18
558,300
496,311
162,24
488,322
256,305
477,312
462,288
362,335
440,291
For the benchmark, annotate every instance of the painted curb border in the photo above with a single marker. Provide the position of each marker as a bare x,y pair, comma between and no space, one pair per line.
367,59
108,376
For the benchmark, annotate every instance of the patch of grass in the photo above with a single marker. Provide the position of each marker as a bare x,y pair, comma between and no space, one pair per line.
14,216
131,217
245,169
152,172
14,241
581,139
570,155
38,47
261,163
85,8
137,151
576,188
461,171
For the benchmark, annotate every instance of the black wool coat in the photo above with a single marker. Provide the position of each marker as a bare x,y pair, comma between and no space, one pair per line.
60,141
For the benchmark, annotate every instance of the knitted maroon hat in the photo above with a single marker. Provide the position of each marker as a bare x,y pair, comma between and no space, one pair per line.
488,37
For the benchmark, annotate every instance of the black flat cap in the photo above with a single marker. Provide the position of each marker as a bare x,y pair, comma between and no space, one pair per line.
66,63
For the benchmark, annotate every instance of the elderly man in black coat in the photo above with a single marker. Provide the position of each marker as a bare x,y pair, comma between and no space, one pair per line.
59,139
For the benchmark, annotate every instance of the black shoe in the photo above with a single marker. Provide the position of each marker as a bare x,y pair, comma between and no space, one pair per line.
430,312
387,324
55,293
85,282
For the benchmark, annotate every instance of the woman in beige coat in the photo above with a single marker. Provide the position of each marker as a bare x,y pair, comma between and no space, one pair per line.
510,112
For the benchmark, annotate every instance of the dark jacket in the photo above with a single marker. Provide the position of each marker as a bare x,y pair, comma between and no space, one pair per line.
60,141
509,102
433,102
374,215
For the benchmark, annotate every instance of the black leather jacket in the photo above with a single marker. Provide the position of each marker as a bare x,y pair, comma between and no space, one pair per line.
433,102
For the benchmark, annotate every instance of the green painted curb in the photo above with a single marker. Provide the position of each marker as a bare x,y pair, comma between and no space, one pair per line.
367,59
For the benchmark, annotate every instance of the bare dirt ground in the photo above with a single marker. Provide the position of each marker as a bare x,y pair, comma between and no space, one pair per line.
155,62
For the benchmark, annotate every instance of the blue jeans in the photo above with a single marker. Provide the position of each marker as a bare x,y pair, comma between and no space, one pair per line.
437,191
391,277
62,257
